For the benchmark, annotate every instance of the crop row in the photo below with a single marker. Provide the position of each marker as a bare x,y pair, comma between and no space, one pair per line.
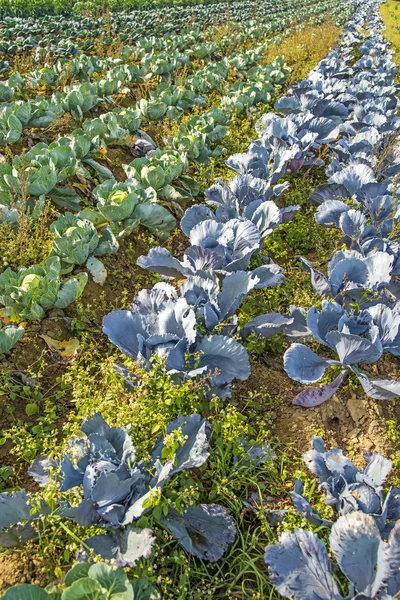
157,177
348,105
147,22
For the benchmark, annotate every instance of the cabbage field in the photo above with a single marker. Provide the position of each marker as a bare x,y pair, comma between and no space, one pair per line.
199,300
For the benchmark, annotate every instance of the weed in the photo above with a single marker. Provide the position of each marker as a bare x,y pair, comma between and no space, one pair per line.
304,48
390,16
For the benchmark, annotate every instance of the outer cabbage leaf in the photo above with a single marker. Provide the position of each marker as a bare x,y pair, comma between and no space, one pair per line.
205,530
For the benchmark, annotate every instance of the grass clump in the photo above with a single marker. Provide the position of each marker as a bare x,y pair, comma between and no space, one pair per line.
390,13
29,242
305,47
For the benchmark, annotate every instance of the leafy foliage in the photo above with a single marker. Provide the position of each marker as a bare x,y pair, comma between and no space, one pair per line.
180,329
300,567
85,580
29,292
348,489
117,489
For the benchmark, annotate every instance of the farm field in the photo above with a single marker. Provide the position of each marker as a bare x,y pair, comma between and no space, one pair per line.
199,300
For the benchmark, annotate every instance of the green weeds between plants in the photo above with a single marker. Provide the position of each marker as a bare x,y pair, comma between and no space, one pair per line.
91,385
390,13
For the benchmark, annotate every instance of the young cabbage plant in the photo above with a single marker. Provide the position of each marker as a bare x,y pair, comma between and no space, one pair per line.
86,580
29,292
180,328
76,239
217,247
209,78
369,219
354,184
126,205
152,110
196,144
86,149
247,197
369,148
10,88
78,100
356,339
296,136
20,517
309,102
16,117
176,98
347,489
213,123
164,172
262,163
114,127
9,336
36,174
117,490
243,95
354,278
106,129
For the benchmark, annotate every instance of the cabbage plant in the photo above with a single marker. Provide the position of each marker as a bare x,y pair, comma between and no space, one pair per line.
16,117
11,87
75,239
20,517
9,336
355,182
117,490
78,100
365,211
197,138
217,247
126,205
186,340
300,566
152,109
211,77
354,278
30,291
213,122
164,172
176,98
359,338
247,198
262,163
106,128
36,175
298,134
347,489
164,63
112,127
99,580
85,149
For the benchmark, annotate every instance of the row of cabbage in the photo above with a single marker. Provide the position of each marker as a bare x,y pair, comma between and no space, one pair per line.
70,36
359,320
148,60
84,64
195,330
160,18
156,176
358,103
169,99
